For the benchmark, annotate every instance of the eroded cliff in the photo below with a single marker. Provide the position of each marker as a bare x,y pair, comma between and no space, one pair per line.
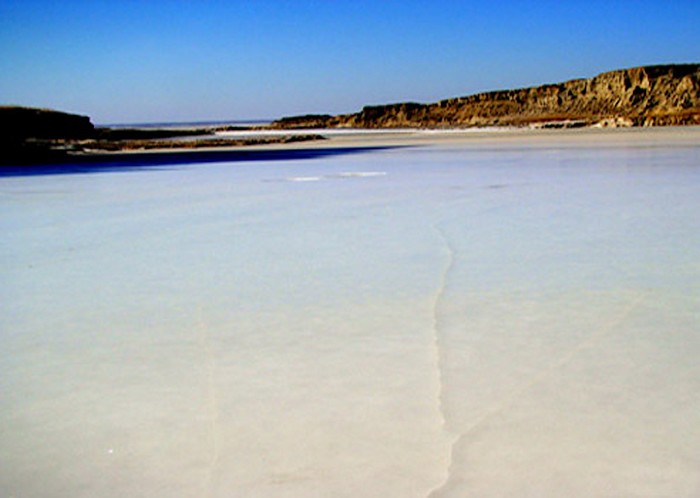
642,96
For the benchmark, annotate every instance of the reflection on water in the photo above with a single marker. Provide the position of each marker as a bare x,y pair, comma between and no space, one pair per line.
458,320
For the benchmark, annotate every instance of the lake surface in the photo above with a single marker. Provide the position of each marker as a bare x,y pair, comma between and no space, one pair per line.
483,318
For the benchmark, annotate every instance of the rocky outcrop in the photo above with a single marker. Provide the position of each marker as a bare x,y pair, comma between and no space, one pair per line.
29,135
642,96
306,121
27,122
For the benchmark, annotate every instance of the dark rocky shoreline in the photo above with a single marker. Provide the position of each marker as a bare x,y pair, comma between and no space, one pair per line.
31,136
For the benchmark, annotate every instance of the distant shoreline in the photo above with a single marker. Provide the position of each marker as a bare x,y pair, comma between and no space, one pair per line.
359,141
174,125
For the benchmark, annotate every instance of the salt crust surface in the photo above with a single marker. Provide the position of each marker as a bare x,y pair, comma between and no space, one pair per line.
505,317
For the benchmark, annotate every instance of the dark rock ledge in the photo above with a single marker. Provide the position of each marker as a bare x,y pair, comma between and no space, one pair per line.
43,136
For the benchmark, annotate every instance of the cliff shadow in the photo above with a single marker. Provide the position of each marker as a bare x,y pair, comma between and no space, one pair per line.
135,161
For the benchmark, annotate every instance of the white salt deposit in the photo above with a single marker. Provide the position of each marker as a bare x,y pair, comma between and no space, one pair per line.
475,319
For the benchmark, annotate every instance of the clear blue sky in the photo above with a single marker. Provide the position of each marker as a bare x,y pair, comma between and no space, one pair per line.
138,61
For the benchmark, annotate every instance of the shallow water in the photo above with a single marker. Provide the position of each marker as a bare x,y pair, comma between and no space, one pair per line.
469,319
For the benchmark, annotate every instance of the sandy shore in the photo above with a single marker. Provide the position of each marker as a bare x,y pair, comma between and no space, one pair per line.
345,139
407,137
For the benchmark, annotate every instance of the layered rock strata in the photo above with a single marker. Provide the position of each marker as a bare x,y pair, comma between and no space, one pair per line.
642,96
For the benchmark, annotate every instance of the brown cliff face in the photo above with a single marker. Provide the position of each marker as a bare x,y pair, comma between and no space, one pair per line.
642,96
